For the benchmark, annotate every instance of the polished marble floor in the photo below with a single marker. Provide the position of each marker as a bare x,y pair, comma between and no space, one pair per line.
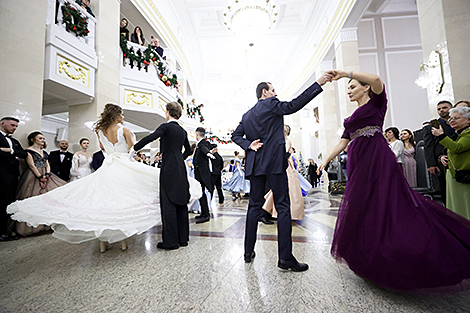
43,274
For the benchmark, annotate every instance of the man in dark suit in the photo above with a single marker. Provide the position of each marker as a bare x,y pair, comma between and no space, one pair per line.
216,174
98,158
433,149
261,135
174,185
10,152
61,161
202,172
155,44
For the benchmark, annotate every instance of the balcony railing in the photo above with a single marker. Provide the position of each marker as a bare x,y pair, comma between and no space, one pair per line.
56,16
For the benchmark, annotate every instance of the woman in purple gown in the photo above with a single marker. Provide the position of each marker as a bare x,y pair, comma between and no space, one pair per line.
385,231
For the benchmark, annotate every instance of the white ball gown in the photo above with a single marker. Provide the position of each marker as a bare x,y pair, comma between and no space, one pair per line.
117,201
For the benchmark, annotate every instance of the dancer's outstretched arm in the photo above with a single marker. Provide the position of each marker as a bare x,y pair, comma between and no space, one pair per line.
343,143
373,80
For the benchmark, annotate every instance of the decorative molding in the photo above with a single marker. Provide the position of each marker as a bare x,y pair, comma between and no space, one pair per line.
81,74
401,18
346,35
374,33
138,98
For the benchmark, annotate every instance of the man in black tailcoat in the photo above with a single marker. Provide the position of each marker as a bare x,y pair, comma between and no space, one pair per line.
216,174
202,172
261,135
174,185
10,152
61,161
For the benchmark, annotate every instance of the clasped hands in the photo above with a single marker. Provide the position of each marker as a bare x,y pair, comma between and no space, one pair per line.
331,75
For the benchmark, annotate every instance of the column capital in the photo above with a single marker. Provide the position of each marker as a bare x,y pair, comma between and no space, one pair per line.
346,35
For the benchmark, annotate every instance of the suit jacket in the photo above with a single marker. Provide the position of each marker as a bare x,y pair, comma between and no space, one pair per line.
98,158
201,164
217,164
173,176
265,121
9,164
159,50
61,169
432,148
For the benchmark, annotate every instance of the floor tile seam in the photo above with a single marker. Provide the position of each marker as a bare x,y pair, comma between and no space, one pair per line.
219,283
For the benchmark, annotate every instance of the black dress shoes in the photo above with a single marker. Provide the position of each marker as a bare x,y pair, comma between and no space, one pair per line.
202,219
265,220
183,244
198,217
249,257
8,237
160,245
293,265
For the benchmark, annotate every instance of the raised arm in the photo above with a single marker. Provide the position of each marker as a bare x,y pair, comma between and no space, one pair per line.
373,80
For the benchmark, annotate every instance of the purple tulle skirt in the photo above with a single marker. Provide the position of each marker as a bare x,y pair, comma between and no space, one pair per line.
390,234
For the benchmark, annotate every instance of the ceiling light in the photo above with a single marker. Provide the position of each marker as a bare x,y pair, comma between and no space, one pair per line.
250,19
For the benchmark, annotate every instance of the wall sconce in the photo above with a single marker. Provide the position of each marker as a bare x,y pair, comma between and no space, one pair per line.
431,74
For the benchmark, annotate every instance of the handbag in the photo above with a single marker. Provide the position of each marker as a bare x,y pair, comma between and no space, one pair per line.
461,176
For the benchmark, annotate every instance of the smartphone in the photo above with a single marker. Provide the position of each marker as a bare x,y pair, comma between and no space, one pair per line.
435,123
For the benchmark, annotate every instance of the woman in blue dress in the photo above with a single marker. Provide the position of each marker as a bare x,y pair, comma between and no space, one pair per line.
237,183
305,186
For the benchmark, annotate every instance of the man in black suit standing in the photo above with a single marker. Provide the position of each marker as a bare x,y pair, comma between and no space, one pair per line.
174,185
61,161
261,135
98,158
216,174
433,149
202,172
10,152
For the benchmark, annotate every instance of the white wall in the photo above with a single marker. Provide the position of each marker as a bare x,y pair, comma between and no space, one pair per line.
390,46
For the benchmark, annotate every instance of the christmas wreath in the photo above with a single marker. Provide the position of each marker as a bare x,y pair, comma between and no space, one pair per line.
74,21
149,56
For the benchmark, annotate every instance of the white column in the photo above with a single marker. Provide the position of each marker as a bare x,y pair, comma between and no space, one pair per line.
22,40
328,110
347,58
107,76
444,24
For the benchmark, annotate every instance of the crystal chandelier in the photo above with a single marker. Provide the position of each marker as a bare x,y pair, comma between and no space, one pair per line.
250,19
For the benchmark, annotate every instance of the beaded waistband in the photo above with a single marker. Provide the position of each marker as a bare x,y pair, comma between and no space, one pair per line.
368,131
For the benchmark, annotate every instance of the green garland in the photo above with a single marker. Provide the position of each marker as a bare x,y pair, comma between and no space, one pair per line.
180,102
195,110
149,56
220,140
74,21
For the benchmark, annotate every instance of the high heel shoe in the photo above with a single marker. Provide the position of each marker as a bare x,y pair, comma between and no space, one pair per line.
124,245
102,246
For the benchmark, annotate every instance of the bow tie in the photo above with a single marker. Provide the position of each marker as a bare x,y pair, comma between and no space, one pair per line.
61,152
8,135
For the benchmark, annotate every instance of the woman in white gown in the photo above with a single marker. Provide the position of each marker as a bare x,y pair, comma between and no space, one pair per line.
81,161
117,201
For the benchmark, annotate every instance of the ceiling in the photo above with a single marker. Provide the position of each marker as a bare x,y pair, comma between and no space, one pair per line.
223,70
